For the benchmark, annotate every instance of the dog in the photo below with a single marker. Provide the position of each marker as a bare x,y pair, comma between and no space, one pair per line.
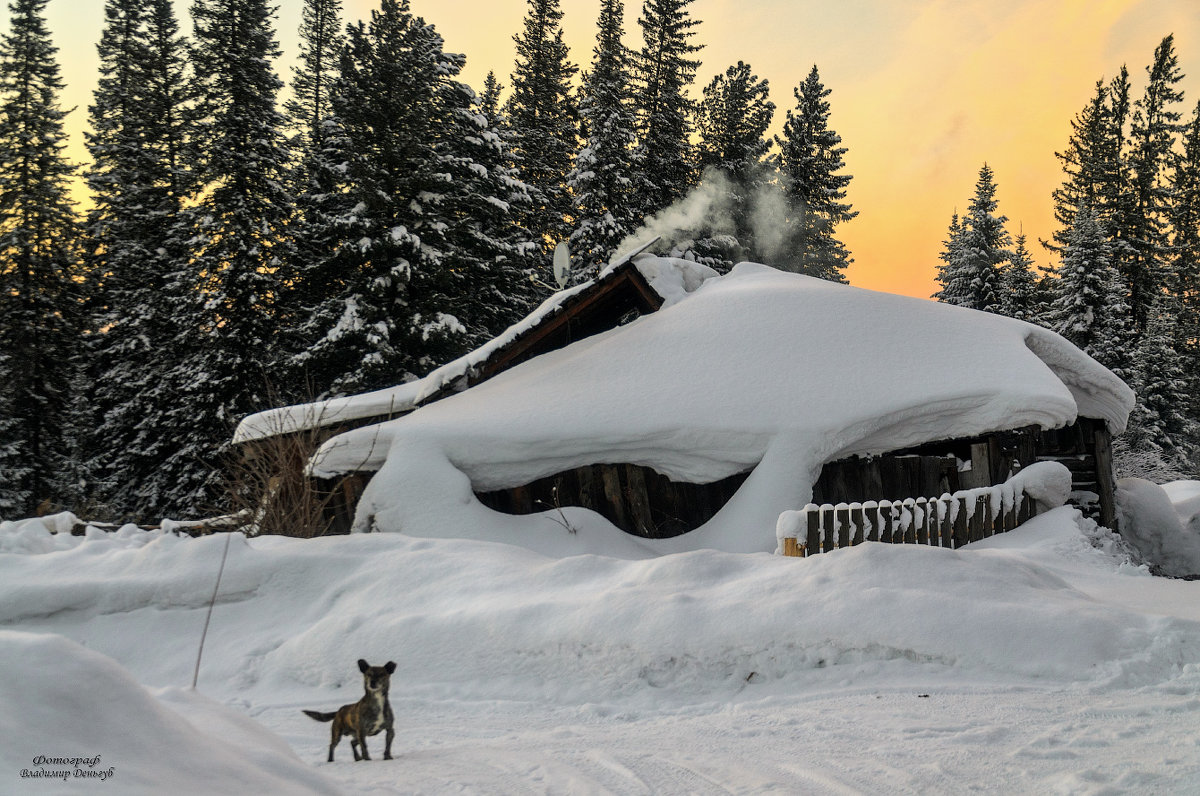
367,716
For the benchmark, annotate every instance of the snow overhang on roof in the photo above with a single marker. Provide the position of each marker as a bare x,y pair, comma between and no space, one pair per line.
701,389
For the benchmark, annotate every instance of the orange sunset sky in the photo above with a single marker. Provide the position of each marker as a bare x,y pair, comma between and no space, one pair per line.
924,91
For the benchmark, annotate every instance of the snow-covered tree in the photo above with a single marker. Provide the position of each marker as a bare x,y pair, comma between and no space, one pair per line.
39,265
602,180
663,72
970,275
137,247
1160,422
1019,293
810,159
1184,283
424,261
239,218
1089,306
542,118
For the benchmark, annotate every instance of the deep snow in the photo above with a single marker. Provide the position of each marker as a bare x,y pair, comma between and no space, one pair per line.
1040,661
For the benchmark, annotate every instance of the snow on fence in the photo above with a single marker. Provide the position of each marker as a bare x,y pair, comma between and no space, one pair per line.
949,521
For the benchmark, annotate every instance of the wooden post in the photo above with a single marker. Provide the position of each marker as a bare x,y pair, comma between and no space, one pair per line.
921,521
883,519
961,533
791,547
842,514
1104,476
946,526
814,533
856,519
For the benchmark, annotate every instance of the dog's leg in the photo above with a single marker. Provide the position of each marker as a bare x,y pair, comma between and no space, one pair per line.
387,749
362,742
337,736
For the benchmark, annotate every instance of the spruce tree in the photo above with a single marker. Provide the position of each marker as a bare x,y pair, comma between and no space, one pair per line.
1089,307
238,245
971,274
732,121
1153,133
312,78
423,258
140,120
663,72
542,114
810,159
1019,295
1184,281
602,180
1084,161
39,266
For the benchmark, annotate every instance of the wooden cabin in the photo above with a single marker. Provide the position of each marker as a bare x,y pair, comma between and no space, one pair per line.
646,502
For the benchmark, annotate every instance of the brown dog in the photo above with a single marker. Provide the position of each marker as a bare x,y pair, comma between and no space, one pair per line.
365,717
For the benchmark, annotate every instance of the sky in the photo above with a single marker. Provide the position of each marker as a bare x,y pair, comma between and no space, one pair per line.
923,91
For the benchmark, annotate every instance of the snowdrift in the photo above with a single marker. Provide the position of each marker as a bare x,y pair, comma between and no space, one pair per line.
74,720
494,620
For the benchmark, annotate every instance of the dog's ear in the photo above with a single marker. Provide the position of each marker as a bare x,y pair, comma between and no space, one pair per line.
363,666
390,666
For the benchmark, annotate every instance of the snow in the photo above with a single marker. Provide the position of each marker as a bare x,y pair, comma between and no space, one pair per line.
1043,660
756,370
1162,524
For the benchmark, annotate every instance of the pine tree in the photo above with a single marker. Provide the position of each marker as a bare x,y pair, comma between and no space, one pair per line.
228,324
810,157
971,274
1159,421
1089,306
542,116
137,245
1153,132
663,72
1019,295
39,266
602,180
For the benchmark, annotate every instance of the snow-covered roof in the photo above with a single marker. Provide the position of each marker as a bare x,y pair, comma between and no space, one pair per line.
755,369
670,279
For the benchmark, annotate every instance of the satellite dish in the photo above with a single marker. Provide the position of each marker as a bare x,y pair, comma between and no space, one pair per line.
562,264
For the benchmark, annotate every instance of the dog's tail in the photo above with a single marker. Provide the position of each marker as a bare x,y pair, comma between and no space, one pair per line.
312,714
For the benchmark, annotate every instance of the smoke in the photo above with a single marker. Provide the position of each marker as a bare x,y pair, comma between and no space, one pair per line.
710,210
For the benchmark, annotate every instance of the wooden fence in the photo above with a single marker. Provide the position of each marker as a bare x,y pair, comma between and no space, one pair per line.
949,521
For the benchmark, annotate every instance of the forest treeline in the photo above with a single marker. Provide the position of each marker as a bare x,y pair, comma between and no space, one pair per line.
1125,286
247,243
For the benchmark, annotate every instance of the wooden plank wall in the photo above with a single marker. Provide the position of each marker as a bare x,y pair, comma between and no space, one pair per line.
636,499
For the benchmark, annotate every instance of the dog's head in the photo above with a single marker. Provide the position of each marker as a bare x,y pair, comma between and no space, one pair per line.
376,678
